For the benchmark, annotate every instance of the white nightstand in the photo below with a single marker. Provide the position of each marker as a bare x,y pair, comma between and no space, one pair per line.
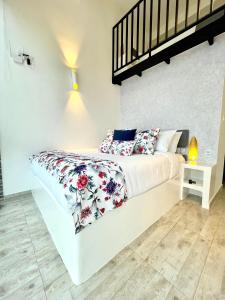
201,173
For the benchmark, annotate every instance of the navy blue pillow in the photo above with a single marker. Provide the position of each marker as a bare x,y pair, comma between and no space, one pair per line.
124,135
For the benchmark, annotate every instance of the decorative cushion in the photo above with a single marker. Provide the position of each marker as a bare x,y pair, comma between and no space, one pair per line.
146,141
107,142
174,142
164,140
123,148
124,135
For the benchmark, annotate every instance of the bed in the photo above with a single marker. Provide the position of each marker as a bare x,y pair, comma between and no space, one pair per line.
152,189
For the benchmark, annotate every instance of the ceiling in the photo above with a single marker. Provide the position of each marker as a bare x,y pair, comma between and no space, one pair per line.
125,5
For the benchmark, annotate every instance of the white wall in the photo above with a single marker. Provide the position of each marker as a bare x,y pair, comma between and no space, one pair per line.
221,147
38,109
1,62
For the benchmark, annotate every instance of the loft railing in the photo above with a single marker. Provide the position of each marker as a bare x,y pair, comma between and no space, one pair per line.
150,24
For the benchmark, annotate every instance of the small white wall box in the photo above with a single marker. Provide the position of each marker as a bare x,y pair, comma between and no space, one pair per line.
196,179
22,58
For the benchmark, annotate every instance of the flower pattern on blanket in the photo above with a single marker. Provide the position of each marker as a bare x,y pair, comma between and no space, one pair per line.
91,186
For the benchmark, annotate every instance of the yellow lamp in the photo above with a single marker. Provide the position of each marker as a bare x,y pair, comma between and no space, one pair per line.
74,79
193,150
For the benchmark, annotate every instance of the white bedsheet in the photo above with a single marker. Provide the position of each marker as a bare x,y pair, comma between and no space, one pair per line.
142,172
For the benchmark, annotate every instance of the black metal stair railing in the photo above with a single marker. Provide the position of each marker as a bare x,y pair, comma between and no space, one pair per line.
149,25
123,56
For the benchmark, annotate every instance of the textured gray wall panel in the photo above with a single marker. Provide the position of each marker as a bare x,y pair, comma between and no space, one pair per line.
187,94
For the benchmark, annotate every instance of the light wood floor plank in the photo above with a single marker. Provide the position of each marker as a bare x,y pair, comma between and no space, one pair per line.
211,226
174,294
145,283
116,279
60,288
180,257
169,257
50,272
212,281
220,232
86,288
194,218
188,277
31,290
16,271
144,245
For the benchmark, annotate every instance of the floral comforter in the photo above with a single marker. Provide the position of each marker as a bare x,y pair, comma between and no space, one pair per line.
91,186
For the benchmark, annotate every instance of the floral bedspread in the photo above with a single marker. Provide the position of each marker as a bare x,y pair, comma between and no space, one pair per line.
91,186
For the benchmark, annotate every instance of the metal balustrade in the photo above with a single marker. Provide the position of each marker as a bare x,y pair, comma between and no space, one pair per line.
149,25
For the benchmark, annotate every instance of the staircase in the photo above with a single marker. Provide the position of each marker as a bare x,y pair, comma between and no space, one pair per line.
154,31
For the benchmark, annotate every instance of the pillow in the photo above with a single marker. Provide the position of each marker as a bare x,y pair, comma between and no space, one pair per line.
164,141
174,142
123,148
107,142
146,141
124,135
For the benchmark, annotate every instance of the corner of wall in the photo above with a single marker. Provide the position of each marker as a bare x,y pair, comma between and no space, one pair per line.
221,146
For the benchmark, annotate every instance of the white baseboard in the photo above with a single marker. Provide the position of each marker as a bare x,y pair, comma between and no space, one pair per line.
8,197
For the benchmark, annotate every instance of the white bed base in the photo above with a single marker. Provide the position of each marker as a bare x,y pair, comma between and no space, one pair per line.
87,252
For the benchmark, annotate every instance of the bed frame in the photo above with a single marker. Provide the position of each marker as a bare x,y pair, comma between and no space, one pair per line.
88,251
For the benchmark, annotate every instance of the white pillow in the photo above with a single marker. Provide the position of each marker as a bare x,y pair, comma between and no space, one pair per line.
174,142
164,141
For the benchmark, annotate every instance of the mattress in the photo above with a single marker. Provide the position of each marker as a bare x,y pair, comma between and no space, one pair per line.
142,172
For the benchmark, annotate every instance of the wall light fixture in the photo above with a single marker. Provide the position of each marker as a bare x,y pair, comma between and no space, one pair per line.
75,84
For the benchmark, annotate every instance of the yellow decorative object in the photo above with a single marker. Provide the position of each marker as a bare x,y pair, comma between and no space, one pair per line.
193,150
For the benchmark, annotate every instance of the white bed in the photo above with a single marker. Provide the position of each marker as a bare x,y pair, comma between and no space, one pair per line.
153,188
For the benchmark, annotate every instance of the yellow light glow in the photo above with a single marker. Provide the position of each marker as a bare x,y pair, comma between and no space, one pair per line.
75,107
193,150
70,52
77,119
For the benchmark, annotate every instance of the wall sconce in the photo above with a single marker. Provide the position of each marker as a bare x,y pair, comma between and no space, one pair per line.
74,80
193,150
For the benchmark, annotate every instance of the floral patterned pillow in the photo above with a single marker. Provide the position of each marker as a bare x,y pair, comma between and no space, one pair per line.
123,148
146,141
107,142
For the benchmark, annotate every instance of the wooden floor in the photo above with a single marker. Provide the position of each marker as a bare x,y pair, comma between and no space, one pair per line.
182,256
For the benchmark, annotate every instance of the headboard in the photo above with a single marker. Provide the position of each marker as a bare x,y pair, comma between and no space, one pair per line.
184,140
